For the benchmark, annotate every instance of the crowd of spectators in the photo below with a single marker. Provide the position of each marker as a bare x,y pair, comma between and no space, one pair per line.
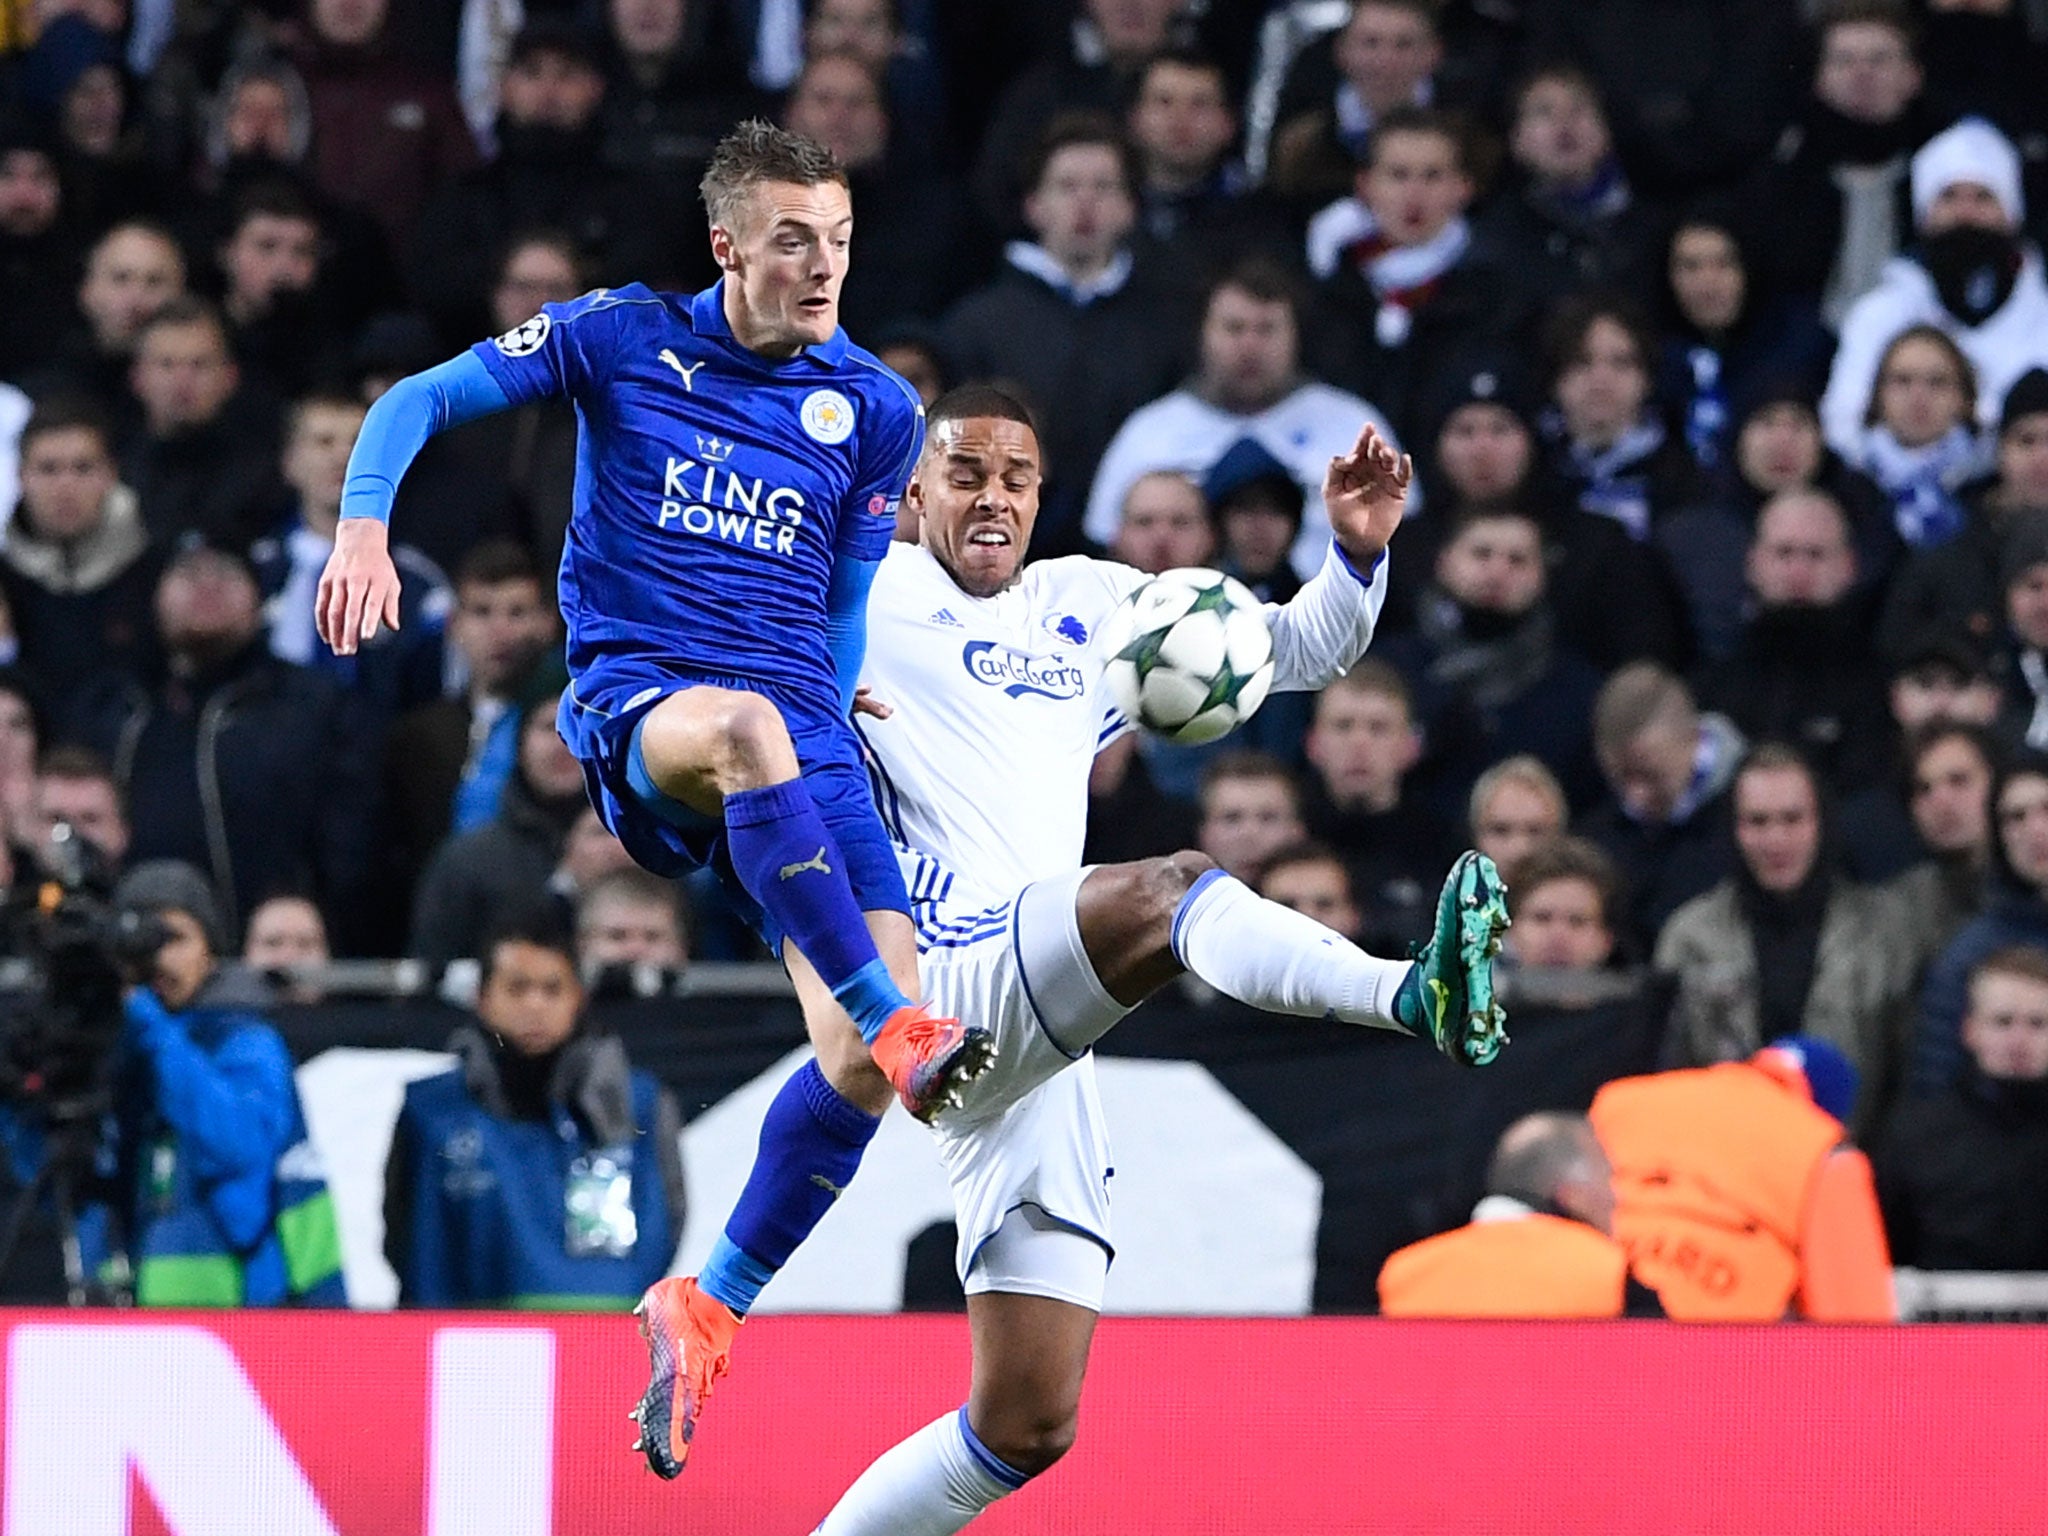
1718,331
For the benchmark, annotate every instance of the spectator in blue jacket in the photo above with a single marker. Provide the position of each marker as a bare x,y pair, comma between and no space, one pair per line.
218,1199
542,1171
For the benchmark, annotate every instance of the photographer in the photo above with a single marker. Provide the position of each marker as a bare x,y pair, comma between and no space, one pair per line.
216,1198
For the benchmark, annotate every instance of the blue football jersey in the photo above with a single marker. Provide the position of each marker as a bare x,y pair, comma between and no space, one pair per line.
715,488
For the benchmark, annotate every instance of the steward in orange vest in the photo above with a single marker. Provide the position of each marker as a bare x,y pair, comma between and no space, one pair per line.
1536,1247
1737,1194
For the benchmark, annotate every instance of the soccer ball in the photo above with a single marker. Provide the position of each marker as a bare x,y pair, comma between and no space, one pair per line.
1192,655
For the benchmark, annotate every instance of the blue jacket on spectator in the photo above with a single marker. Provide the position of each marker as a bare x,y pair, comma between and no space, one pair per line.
488,1203
218,1197
2013,917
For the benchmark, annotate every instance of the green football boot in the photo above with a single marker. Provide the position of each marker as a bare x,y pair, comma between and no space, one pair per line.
1448,997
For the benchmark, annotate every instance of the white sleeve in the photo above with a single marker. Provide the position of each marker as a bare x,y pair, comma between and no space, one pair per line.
1327,626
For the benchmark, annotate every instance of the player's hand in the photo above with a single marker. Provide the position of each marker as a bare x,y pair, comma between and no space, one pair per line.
1366,494
359,587
865,703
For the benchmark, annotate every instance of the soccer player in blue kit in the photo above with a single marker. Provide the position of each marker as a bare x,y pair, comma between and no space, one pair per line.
738,469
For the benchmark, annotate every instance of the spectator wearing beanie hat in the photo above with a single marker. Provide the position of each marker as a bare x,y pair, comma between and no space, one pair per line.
1959,584
1972,275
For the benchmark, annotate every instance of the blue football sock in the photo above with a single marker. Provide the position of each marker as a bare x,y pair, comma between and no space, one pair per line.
811,1145
789,863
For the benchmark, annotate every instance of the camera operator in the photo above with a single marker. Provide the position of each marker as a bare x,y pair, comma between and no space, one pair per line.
215,1195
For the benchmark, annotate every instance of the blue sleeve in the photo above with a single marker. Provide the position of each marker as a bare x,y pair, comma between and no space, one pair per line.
404,417
232,1107
890,444
846,621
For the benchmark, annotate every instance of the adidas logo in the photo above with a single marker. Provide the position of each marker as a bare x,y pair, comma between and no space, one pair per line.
945,617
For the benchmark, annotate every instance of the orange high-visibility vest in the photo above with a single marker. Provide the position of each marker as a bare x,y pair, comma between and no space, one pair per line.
1714,1173
1531,1266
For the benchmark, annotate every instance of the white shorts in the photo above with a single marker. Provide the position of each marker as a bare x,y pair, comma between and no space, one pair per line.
1031,1135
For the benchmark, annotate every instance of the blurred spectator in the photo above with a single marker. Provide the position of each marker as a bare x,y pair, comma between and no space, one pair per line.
393,670
38,250
446,764
674,87
476,878
1383,59
1786,946
1516,805
1971,275
1564,892
630,917
286,934
74,785
259,134
2023,569
1248,385
2015,913
1363,747
1986,56
199,464
1164,525
273,256
1097,71
1076,318
1695,92
1842,164
871,32
74,73
1725,337
1957,586
220,1202
1943,678
1482,453
1539,1245
1404,288
1256,505
1921,444
251,769
1951,769
1737,1195
1568,220
385,131
1314,882
571,1189
132,271
547,174
21,734
1667,823
1802,670
1608,445
509,475
76,567
1193,199
1251,809
912,224
1964,1177
1777,448
1488,673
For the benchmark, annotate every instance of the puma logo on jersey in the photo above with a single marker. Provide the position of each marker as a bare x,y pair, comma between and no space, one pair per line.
816,862
669,357
834,1190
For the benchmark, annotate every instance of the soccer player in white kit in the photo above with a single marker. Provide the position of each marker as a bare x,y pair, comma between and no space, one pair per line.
988,705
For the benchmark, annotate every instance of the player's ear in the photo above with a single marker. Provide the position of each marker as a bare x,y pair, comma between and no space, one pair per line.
724,249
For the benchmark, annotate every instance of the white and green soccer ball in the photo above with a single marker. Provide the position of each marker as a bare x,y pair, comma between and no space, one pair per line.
1192,655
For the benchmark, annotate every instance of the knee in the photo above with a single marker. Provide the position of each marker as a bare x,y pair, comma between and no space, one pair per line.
735,739
1032,1439
1165,883
749,730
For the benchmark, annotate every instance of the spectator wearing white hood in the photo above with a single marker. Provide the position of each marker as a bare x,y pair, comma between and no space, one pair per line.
1970,275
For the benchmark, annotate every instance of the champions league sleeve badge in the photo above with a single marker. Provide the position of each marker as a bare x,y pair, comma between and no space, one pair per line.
827,416
525,339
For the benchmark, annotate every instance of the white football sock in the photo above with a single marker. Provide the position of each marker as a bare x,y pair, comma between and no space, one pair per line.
1272,957
929,1485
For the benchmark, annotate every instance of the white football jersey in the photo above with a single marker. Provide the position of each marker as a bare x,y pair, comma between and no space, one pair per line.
981,774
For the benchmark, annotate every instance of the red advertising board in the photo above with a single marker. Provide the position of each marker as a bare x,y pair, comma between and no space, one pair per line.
493,1425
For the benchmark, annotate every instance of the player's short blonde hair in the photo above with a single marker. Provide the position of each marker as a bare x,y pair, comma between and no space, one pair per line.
757,152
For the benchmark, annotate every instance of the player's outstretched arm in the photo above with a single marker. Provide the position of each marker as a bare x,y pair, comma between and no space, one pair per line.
359,587
1330,622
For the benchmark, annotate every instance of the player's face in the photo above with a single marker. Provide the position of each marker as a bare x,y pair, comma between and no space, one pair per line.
975,494
785,262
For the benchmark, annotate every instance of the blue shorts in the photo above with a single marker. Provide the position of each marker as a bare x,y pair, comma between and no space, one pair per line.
603,708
